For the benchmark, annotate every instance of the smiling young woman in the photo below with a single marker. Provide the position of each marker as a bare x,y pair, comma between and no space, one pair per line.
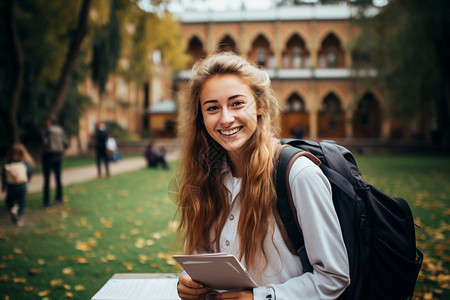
227,197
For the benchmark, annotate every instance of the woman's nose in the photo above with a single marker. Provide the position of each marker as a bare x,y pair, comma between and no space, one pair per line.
227,116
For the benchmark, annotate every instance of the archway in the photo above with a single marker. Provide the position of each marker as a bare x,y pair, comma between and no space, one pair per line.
331,118
295,119
227,44
295,55
260,52
331,54
367,118
195,49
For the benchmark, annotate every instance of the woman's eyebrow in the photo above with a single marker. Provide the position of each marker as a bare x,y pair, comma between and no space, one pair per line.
210,101
229,98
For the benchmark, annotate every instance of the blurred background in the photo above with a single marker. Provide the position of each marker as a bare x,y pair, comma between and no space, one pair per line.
370,74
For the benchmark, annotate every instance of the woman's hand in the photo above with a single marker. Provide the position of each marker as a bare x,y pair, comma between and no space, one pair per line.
238,295
190,289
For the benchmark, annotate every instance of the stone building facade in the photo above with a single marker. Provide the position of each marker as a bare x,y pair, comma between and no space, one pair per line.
306,50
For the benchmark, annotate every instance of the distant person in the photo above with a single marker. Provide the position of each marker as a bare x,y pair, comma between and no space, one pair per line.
101,136
112,149
297,132
16,174
55,142
155,156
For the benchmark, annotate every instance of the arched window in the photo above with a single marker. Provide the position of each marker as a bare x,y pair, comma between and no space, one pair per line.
195,49
295,55
331,104
331,54
295,119
260,52
294,104
367,117
227,44
331,117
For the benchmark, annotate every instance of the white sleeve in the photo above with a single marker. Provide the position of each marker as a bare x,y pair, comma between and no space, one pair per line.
311,192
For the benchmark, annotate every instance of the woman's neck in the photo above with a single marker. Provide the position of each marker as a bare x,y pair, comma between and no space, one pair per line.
237,167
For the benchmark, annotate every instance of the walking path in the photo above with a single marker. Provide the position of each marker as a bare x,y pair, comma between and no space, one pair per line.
85,173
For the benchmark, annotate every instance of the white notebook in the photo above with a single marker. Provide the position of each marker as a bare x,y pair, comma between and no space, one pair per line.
216,270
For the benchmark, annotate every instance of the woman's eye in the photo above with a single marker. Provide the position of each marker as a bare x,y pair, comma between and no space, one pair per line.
212,108
237,103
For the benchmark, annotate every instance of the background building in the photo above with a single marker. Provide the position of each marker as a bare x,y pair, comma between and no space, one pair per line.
306,50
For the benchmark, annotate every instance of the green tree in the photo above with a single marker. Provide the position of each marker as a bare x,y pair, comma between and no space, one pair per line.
407,44
56,57
15,65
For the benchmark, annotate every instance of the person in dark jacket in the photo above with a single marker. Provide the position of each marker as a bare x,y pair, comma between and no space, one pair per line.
101,136
55,142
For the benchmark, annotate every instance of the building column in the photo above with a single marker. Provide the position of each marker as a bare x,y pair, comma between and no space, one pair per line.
244,47
348,124
386,129
314,114
209,39
313,121
314,47
278,48
348,59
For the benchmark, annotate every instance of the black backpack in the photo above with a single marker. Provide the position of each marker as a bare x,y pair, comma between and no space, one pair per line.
378,230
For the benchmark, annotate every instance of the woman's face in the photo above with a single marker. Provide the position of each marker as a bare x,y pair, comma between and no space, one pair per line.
229,111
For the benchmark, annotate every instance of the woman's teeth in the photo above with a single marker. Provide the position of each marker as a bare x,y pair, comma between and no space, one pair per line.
230,132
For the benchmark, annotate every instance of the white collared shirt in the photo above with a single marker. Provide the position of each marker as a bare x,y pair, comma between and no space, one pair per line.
283,278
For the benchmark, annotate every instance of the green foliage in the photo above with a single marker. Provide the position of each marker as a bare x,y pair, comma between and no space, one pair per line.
44,29
117,29
116,130
106,48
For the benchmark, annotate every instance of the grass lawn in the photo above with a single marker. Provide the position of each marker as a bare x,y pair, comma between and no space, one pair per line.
79,161
125,224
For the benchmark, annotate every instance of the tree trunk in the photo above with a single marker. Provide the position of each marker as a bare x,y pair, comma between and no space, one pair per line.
69,64
16,53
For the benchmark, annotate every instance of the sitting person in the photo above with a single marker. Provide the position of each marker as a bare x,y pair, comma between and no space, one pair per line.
155,156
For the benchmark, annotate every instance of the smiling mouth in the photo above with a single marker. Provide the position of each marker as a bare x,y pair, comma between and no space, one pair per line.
231,131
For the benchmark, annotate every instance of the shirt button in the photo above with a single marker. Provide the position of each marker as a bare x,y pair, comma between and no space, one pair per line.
231,217
227,242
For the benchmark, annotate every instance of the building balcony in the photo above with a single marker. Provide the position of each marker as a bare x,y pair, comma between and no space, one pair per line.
304,74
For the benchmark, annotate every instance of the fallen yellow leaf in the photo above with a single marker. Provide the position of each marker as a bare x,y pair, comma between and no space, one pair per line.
56,283
69,294
28,288
134,231
68,271
19,280
83,246
82,260
111,257
44,293
4,278
79,287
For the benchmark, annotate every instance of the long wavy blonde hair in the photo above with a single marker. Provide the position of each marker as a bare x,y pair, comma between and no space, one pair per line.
202,198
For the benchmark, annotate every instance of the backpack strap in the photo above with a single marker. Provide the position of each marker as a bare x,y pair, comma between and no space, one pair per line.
339,181
285,203
335,160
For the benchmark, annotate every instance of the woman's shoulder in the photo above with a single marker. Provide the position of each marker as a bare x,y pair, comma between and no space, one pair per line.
305,169
304,163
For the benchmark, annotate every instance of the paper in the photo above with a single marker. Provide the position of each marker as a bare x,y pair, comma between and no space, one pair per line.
216,270
139,289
